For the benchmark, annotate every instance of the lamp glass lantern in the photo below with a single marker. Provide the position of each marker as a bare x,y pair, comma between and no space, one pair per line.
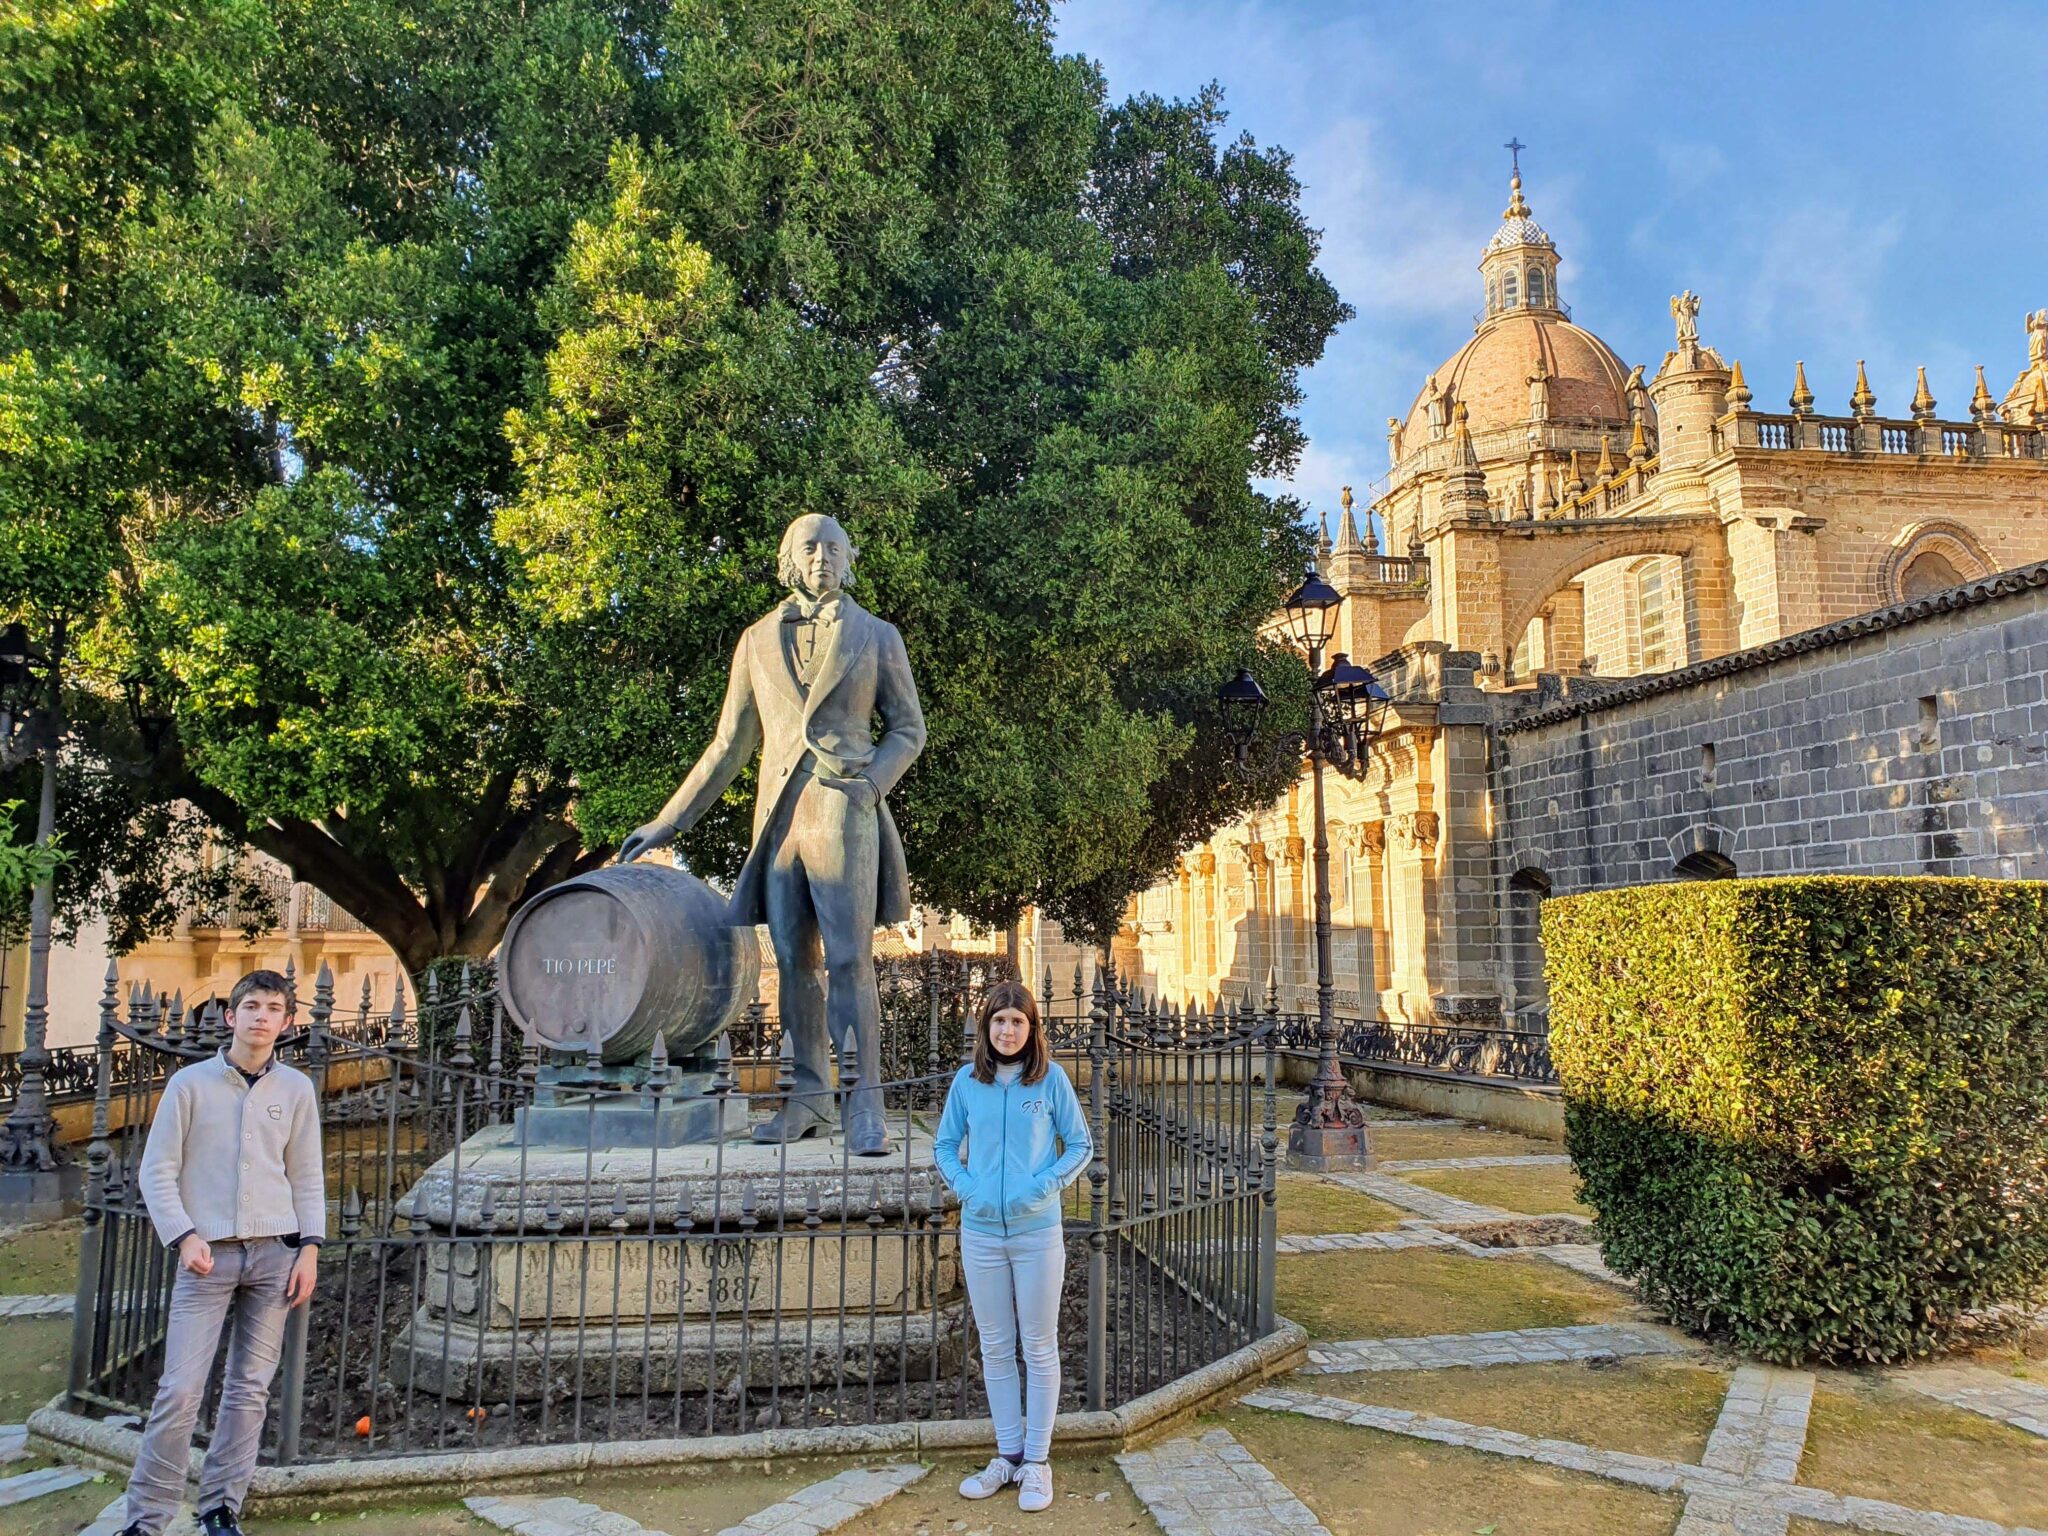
1242,704
1312,612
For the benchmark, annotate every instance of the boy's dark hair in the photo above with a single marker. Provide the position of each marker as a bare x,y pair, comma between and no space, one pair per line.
263,981
1037,1054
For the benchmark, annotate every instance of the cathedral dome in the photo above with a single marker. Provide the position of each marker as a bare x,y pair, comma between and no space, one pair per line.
1490,375
1526,360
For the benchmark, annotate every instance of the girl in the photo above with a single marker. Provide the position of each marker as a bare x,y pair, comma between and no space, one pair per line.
1010,1103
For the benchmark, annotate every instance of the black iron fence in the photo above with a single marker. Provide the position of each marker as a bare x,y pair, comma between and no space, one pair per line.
493,1277
1467,1050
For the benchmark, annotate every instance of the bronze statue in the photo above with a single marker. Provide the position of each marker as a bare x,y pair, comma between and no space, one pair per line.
826,864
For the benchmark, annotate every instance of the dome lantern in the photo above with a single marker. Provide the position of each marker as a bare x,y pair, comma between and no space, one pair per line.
1519,265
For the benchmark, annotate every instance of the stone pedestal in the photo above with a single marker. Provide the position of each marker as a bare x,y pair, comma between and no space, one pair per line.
679,1268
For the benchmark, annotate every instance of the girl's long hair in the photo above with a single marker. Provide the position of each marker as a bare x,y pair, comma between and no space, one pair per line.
1037,1053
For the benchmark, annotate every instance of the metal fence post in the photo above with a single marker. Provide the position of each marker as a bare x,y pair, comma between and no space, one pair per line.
85,1308
1098,1204
292,1367
1269,1214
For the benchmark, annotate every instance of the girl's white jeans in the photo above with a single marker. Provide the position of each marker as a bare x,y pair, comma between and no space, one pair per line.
1013,1284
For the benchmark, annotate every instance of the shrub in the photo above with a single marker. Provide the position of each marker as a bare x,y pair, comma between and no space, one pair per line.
1811,1113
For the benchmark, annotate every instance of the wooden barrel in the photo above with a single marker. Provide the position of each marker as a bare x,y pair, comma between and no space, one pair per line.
623,954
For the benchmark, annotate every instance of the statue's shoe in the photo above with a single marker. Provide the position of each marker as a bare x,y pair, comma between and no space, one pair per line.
793,1122
867,1134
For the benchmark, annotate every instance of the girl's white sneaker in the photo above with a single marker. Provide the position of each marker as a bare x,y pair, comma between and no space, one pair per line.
1034,1486
990,1480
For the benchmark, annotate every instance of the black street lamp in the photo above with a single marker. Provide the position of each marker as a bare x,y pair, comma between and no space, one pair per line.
1347,709
35,1183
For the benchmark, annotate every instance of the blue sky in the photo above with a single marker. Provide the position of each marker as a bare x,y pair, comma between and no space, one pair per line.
1835,181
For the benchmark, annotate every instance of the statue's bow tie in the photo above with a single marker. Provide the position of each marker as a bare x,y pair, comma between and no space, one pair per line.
798,609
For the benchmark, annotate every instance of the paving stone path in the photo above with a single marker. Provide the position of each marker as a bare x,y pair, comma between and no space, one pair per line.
1212,1486
13,1441
1427,1203
1728,1501
1453,1164
2022,1404
828,1505
38,1306
1519,1346
24,1486
823,1506
1372,1242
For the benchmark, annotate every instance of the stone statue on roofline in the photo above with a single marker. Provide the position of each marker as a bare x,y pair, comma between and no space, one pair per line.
1685,309
826,864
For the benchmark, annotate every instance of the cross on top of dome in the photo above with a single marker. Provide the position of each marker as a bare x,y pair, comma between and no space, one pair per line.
1517,227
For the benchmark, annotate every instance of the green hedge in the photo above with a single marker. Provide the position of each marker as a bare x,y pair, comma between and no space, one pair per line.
1811,1113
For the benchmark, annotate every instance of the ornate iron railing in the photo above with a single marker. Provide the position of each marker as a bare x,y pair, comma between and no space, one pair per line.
1469,1051
483,1287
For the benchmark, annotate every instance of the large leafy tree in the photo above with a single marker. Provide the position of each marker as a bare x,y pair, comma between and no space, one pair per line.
502,340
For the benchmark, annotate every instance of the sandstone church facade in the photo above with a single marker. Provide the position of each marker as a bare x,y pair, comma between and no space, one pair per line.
1586,606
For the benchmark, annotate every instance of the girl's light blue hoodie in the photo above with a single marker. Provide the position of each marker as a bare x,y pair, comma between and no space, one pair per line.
1013,1175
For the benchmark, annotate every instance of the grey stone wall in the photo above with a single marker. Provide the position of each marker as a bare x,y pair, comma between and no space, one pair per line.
1909,741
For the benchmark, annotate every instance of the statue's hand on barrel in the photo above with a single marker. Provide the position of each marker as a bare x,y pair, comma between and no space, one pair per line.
656,834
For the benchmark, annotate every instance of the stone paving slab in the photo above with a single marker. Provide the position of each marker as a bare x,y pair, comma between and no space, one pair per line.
832,1503
2022,1404
558,1516
1213,1486
1761,1432
1378,1242
1423,1202
1709,1514
1720,1488
38,1306
24,1486
13,1441
1583,1259
1455,1164
1520,1346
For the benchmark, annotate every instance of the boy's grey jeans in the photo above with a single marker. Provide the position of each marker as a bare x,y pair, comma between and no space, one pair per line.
248,1280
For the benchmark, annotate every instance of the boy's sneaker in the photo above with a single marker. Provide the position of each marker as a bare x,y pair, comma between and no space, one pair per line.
220,1522
1034,1486
990,1480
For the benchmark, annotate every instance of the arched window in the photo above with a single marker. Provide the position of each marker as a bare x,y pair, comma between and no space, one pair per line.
1529,995
1926,573
1536,299
1508,299
1492,296
1705,865
1652,633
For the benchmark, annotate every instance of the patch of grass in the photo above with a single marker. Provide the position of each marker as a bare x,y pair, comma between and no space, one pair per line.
59,1514
40,1261
1875,1441
1398,1143
1644,1407
34,1366
1528,1191
1362,1482
391,1520
1364,1295
1311,1207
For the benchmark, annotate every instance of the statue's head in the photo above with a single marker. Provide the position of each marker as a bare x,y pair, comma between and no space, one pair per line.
816,555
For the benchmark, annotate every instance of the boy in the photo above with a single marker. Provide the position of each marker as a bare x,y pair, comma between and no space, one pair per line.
232,1176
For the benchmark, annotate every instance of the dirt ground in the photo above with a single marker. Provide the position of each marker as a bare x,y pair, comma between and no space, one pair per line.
40,1261
1644,1407
33,1365
1395,1143
1530,1191
1361,1482
1310,1207
1366,1295
1874,1440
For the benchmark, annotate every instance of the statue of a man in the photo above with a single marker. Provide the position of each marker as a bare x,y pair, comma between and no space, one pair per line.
826,864
2037,338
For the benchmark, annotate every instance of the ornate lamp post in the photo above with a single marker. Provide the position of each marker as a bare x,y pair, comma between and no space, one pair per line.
34,1182
1347,708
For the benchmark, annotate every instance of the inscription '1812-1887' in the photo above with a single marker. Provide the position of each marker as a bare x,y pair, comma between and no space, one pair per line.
599,965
